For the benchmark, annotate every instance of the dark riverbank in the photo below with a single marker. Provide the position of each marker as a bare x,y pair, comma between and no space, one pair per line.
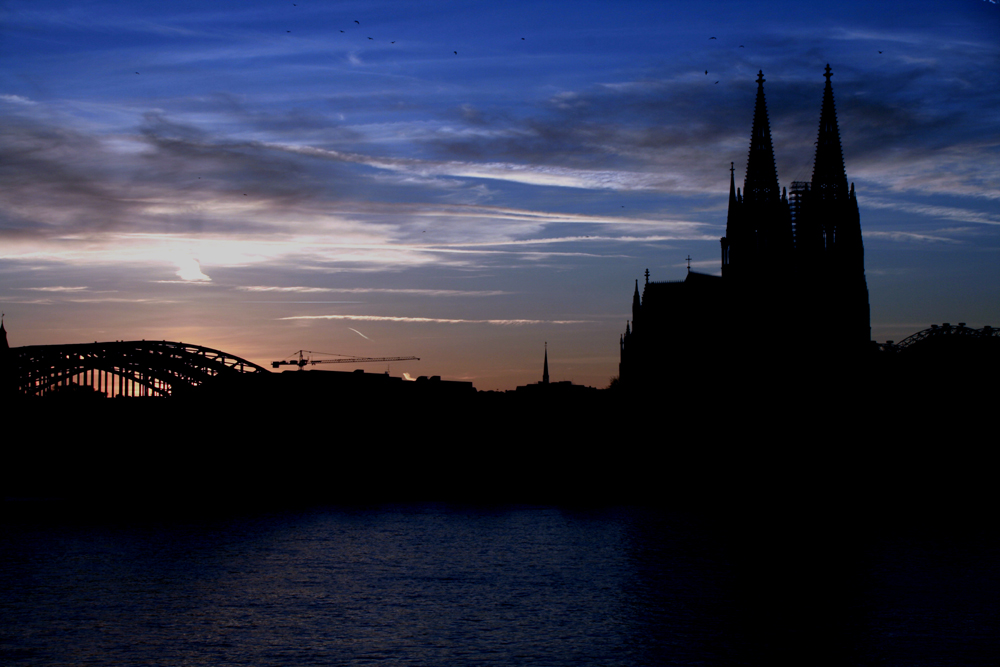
788,531
887,452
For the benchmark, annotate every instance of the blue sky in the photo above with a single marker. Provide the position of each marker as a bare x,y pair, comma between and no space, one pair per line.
262,177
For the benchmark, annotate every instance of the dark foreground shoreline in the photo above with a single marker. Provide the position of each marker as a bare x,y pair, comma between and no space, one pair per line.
895,450
800,495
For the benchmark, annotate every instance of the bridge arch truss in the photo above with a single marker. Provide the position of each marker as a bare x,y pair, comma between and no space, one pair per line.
942,332
123,368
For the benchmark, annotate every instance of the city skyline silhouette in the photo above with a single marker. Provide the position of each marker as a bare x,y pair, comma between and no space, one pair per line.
795,258
784,460
388,196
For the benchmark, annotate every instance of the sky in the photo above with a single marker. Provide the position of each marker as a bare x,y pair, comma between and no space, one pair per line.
467,181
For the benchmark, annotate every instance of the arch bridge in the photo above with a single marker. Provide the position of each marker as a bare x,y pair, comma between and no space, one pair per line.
122,368
941,333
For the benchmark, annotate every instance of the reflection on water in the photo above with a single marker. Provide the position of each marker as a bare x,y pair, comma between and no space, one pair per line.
437,584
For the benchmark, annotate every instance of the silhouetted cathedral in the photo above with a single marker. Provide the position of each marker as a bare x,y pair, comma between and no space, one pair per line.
793,276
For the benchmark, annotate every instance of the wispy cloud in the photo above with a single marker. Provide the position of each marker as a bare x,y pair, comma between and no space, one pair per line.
428,320
266,288
17,99
934,211
908,236
541,175
374,290
687,232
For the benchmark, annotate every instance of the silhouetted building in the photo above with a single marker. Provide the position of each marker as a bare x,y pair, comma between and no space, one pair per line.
358,384
788,265
552,389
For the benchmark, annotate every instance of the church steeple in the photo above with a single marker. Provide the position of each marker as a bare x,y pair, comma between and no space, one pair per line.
835,210
832,212
761,184
732,191
636,303
545,368
763,226
829,179
732,218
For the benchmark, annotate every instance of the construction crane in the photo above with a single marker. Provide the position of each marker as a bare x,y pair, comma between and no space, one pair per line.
303,360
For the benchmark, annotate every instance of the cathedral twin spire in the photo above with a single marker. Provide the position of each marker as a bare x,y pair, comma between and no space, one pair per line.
760,223
816,238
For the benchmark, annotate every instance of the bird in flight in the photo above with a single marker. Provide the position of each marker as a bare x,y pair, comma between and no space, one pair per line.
717,82
706,71
456,53
711,37
741,46
357,21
